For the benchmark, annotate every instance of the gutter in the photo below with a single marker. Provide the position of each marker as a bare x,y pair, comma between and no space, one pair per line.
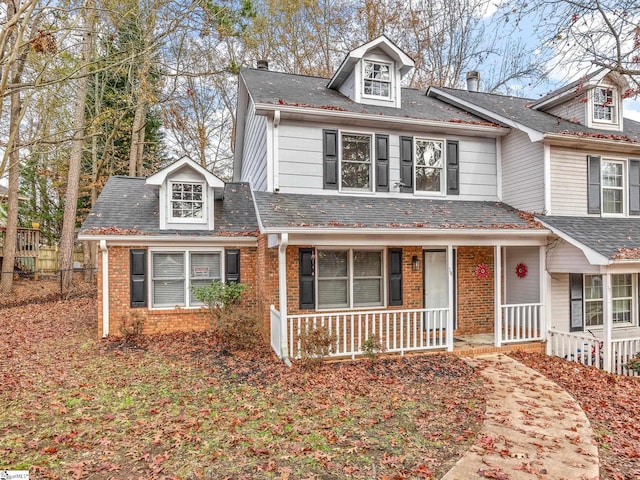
592,256
146,239
498,232
571,139
262,108
282,297
105,288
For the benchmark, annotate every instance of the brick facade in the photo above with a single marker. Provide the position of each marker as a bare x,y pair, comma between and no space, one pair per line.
162,320
259,270
475,295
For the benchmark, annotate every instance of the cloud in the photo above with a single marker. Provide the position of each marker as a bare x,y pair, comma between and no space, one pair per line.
632,109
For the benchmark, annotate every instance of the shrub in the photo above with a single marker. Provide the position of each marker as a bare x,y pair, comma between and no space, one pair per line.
372,346
634,363
315,345
131,328
234,323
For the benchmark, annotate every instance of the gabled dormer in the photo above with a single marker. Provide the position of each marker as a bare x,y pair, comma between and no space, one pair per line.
186,193
372,73
594,101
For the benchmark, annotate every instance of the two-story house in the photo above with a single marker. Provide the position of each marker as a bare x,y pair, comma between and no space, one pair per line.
412,217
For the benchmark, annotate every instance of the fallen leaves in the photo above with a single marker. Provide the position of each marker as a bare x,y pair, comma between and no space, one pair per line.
182,406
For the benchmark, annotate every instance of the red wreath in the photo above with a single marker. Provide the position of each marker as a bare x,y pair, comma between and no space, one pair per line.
521,270
482,271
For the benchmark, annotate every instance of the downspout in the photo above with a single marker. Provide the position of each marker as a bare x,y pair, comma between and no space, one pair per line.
282,297
105,288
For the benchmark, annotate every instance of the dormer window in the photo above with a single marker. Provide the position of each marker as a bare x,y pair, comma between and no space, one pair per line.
377,79
187,201
604,107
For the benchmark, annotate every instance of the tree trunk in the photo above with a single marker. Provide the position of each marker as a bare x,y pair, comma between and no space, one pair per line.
73,179
137,147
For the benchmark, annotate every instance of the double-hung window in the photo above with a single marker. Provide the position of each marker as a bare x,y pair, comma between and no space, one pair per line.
429,165
356,166
350,278
377,79
604,105
613,186
622,299
187,201
174,273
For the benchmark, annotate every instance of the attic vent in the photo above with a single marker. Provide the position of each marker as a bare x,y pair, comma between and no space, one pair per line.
473,81
262,64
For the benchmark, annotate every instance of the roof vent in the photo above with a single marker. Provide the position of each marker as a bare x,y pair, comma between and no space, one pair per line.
473,81
262,64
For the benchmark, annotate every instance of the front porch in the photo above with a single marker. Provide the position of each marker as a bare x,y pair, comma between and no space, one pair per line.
590,348
403,331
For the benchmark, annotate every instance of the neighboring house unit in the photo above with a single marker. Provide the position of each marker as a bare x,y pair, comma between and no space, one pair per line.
413,217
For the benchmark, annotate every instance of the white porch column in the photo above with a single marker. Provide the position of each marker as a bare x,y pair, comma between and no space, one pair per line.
497,274
544,294
607,319
282,296
451,286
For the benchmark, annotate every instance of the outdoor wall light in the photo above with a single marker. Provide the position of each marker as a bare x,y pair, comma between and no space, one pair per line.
415,263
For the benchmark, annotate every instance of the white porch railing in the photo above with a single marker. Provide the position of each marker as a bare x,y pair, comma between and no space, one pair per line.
276,331
397,331
588,349
521,322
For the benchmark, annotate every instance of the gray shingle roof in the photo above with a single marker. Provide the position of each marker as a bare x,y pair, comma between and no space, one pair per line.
127,206
278,88
611,237
299,211
519,110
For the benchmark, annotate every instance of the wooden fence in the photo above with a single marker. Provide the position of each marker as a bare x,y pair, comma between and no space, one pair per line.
48,258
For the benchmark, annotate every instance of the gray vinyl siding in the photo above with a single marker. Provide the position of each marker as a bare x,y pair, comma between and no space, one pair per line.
563,257
522,172
574,110
348,88
254,161
559,302
526,289
300,162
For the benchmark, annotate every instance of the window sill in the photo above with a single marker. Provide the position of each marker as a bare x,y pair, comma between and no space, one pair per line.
175,310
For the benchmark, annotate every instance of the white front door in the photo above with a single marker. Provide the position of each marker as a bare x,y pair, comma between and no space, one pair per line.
436,279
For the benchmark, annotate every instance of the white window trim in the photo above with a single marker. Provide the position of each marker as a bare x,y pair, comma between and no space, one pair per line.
443,178
187,268
624,188
350,277
613,105
634,303
372,170
390,82
171,218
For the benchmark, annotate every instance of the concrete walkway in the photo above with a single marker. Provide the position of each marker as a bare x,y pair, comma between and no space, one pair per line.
533,429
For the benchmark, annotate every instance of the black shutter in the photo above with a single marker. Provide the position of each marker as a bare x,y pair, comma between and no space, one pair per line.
453,171
593,192
382,163
395,276
330,155
634,187
232,265
138,275
406,164
307,279
575,302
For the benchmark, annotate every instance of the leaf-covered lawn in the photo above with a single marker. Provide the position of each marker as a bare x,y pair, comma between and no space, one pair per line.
612,404
180,406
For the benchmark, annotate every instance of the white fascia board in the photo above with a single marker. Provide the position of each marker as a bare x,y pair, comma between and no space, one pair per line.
483,232
124,240
534,135
592,256
329,115
257,210
160,177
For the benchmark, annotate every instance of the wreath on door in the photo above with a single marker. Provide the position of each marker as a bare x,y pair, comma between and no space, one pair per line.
482,271
521,270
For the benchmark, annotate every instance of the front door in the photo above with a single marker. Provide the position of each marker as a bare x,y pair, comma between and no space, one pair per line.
436,280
